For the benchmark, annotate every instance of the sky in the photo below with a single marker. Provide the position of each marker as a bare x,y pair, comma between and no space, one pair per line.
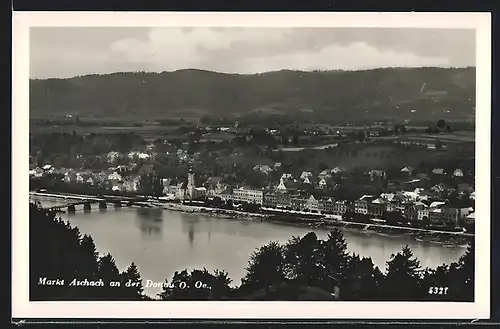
61,52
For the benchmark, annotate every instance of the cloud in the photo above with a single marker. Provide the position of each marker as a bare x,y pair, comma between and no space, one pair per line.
69,52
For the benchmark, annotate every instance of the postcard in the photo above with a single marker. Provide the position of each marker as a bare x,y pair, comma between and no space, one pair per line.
251,165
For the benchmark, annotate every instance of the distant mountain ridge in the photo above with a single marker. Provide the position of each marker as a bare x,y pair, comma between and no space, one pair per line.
403,93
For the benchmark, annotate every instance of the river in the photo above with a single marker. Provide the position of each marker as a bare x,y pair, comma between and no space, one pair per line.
162,241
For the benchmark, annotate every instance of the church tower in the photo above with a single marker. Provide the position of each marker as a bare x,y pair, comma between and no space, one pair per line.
191,185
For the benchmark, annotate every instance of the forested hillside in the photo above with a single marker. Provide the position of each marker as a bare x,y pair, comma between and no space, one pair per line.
401,93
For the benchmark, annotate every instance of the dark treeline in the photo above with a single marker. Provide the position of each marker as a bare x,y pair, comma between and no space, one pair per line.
304,268
387,92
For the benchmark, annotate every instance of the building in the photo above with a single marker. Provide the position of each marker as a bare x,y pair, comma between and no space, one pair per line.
407,170
361,205
243,194
377,207
325,174
312,204
436,216
327,206
422,211
114,177
340,207
265,169
438,171
470,218
305,174
458,173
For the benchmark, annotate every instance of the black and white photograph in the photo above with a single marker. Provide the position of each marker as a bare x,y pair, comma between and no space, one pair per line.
214,160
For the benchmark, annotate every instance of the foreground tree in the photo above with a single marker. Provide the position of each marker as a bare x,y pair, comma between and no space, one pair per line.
131,280
304,262
265,268
402,281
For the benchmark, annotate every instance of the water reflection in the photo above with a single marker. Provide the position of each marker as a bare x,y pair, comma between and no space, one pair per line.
150,223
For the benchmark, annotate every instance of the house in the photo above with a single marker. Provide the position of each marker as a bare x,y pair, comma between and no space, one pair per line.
377,207
436,216
324,174
458,173
361,205
472,196
114,177
388,196
437,204
306,180
82,177
113,156
312,204
322,183
470,218
92,180
119,187
227,194
305,174
422,211
37,172
438,188
200,191
337,170
327,206
438,171
277,165
407,170
244,194
70,177
265,169
375,174
340,207
47,167
286,176
133,183
215,185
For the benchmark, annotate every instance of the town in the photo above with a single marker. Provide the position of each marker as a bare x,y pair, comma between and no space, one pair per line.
383,188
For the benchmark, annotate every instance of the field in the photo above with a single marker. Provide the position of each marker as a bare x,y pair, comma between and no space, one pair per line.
365,156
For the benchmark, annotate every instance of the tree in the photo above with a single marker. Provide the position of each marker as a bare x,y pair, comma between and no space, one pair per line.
265,268
335,255
364,280
304,261
396,130
132,288
441,123
402,281
197,285
110,274
157,185
403,129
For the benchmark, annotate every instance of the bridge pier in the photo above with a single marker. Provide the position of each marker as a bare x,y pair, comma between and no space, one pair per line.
103,205
71,208
87,207
118,204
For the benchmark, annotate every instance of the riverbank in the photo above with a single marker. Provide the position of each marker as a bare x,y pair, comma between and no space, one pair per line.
332,221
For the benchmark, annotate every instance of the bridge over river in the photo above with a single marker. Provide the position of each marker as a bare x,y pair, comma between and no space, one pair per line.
87,201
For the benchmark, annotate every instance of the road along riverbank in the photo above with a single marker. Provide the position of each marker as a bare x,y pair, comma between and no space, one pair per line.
296,219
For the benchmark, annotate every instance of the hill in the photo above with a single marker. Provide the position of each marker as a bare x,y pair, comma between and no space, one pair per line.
401,93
